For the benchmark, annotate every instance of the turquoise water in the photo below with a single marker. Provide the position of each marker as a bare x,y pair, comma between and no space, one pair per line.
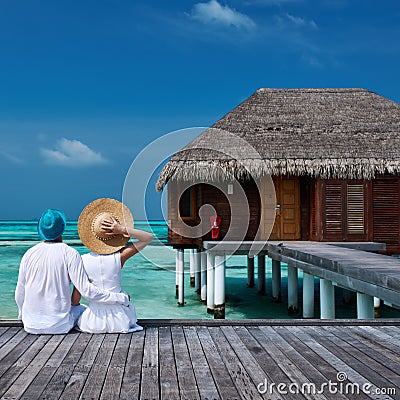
149,278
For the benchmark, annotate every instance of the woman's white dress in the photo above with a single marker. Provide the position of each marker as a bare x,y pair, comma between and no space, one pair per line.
105,272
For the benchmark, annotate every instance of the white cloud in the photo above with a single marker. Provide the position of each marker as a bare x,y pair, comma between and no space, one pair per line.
213,13
271,2
11,158
72,153
301,22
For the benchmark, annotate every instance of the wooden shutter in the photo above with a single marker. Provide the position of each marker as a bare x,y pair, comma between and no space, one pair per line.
355,209
313,214
344,210
385,206
333,209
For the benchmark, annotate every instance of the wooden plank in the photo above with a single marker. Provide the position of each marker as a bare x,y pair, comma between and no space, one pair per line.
341,366
204,378
375,336
82,369
388,359
225,362
41,380
21,357
15,348
316,369
364,361
169,386
268,364
225,385
377,345
33,368
130,387
12,338
283,354
149,388
393,331
244,383
112,383
5,337
3,329
349,356
95,380
187,382
57,384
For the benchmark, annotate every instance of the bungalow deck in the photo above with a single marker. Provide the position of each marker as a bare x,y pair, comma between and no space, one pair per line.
346,264
206,359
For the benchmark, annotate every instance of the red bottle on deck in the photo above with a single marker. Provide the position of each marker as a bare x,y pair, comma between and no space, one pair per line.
215,221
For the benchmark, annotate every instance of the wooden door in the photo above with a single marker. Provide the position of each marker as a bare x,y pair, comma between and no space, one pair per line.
287,221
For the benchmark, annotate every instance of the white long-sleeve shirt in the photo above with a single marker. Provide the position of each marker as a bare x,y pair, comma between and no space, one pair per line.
43,293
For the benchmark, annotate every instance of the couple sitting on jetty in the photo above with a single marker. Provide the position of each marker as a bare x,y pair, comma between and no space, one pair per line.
43,293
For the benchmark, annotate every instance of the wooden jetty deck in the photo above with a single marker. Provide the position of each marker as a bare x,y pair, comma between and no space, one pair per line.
345,264
206,359
375,274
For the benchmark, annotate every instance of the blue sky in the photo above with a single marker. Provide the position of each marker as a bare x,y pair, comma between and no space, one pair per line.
86,85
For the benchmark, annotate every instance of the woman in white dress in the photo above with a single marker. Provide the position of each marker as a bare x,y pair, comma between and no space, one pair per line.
100,230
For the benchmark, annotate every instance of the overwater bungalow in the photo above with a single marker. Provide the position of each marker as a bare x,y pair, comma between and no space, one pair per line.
334,159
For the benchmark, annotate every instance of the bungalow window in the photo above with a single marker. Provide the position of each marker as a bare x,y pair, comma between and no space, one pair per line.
344,210
355,209
187,204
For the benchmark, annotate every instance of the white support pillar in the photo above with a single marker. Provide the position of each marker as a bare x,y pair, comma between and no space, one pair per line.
250,271
181,276
276,281
377,306
308,295
293,297
261,274
219,291
327,299
176,273
203,277
365,306
210,281
197,270
191,263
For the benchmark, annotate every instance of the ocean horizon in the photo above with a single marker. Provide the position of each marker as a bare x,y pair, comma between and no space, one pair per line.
149,278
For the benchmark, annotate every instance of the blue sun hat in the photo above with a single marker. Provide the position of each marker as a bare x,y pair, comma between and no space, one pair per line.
51,224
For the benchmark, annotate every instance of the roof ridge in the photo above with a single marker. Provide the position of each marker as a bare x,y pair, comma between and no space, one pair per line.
313,90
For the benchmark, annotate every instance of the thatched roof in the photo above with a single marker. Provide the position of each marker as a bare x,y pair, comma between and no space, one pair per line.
330,133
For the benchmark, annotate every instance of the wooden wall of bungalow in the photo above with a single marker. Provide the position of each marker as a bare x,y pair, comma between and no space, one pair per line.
307,209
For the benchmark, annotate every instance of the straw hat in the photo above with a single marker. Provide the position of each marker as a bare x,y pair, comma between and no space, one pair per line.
91,232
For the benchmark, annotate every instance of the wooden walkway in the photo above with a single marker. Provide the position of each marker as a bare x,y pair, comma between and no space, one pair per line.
374,274
206,359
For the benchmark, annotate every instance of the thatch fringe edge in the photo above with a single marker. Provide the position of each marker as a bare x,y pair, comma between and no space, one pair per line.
225,170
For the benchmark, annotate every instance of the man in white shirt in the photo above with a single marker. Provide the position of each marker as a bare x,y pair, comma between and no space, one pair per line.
43,292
